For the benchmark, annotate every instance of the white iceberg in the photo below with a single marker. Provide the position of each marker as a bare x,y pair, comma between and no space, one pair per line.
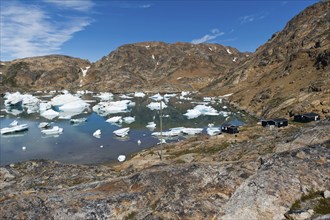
128,119
121,158
97,133
201,110
212,131
30,102
192,131
115,119
122,132
156,105
69,103
125,97
52,131
14,128
151,125
50,114
192,113
105,96
139,94
157,97
105,108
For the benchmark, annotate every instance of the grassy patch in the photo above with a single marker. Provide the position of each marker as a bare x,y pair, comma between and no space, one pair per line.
296,205
130,216
201,150
323,206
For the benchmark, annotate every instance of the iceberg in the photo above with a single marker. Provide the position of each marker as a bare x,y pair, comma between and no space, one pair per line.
129,119
30,102
14,128
212,131
192,131
115,119
156,97
151,125
139,94
121,158
105,96
156,105
52,131
201,110
69,103
50,114
97,133
105,108
122,132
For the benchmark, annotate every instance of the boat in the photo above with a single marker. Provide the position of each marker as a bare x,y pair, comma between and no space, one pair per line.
14,128
122,132
52,131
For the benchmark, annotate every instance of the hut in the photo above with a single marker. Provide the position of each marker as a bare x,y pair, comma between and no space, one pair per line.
277,122
307,117
229,128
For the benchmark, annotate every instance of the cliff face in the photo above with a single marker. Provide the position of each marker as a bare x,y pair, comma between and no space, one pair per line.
288,74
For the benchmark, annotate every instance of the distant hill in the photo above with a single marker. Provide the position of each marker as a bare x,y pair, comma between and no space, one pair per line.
289,73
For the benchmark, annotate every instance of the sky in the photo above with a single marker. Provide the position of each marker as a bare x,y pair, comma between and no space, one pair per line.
91,29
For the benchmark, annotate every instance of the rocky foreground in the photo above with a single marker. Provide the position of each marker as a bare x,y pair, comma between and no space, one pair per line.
259,174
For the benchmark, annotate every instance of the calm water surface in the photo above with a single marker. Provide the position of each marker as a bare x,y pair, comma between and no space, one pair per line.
78,145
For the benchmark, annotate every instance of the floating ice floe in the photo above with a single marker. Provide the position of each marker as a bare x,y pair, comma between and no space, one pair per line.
105,108
105,96
52,131
77,121
192,131
139,94
14,128
50,114
125,97
18,100
44,125
121,158
139,142
97,133
128,119
122,132
115,119
69,103
151,125
201,110
184,94
156,105
156,97
213,131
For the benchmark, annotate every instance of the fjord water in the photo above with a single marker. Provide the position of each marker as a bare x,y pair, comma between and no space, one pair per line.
78,145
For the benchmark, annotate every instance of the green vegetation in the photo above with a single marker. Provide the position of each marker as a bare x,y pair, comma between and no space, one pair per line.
323,206
201,150
130,216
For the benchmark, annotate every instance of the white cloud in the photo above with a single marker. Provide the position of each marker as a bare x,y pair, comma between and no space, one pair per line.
27,31
145,6
215,33
79,5
250,18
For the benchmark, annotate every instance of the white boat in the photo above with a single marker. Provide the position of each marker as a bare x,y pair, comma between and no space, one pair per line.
192,131
122,132
15,128
52,131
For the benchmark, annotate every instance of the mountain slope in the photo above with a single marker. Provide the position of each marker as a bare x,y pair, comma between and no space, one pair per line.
44,72
288,74
161,67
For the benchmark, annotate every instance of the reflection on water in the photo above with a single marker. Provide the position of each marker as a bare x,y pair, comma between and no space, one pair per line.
78,145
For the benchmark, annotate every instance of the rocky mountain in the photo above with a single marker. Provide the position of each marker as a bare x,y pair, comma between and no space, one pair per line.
42,73
288,74
142,66
162,67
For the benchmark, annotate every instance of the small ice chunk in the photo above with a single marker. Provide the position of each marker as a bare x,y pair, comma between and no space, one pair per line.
192,113
153,56
129,119
115,119
139,142
156,105
151,125
139,94
121,158
97,133
157,97
105,96
23,148
49,114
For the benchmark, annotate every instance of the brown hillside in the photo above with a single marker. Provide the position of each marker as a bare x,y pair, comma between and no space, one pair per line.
288,74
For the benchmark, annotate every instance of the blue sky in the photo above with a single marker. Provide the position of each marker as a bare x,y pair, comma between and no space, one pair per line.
91,29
